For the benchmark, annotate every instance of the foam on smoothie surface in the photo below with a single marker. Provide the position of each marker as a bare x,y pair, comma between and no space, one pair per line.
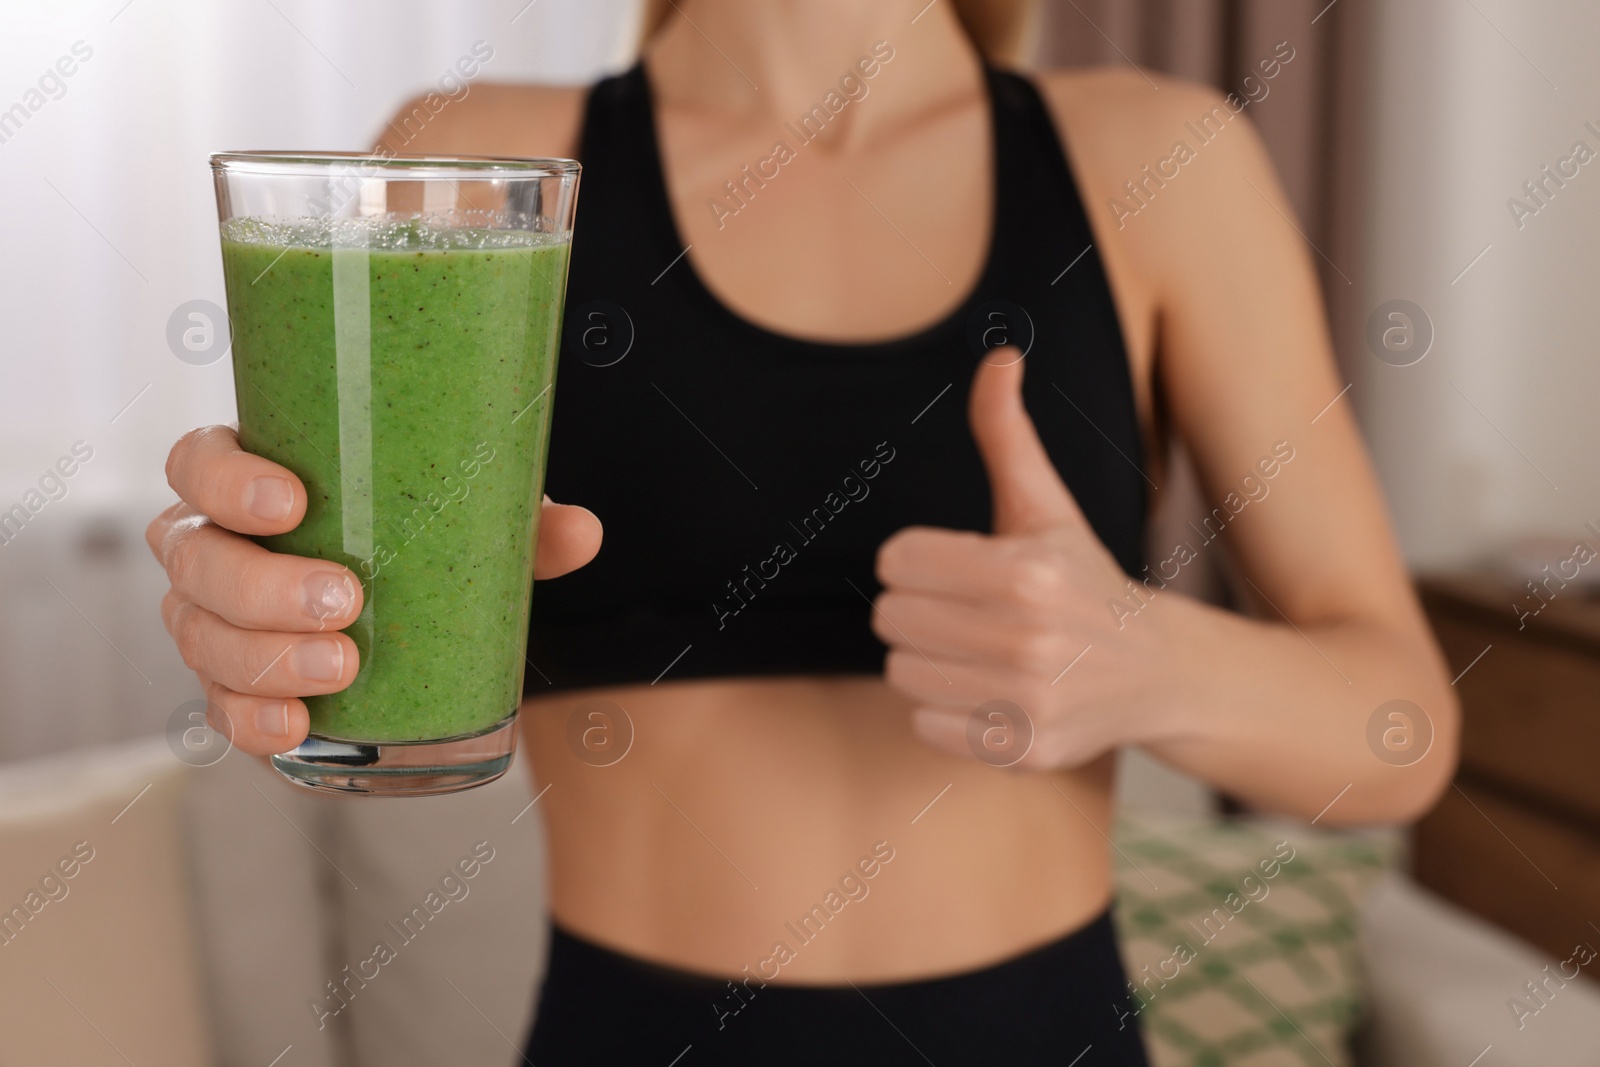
405,371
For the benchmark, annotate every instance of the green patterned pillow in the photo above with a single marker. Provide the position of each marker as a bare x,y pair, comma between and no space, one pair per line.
1240,938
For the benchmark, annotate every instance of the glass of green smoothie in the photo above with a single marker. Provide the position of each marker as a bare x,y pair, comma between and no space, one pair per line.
395,326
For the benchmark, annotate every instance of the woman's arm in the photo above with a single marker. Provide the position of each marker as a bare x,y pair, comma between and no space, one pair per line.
1276,709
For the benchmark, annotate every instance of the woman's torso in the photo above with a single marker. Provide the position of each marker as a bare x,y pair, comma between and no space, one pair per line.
740,803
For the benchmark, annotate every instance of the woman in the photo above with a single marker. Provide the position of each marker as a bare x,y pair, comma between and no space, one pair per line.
813,221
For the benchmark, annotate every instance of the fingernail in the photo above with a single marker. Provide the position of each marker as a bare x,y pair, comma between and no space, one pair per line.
269,498
329,595
272,720
319,661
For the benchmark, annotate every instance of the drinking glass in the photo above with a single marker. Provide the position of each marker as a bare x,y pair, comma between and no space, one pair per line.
395,325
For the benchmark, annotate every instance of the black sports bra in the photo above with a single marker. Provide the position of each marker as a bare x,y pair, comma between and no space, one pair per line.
746,478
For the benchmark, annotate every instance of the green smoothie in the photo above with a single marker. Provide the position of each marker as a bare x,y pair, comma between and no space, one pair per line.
405,373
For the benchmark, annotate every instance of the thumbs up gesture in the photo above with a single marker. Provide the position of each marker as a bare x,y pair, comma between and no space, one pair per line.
1019,615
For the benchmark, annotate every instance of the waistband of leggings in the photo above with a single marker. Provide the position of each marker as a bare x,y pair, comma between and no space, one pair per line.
1096,937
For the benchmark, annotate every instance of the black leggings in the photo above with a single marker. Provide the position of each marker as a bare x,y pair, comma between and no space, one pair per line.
1059,1005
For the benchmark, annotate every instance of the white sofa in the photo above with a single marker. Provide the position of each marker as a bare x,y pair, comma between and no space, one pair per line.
219,903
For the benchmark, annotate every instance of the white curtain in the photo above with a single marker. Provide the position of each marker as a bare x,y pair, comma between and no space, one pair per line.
105,198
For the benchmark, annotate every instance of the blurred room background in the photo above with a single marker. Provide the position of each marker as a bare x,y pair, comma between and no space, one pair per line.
1404,130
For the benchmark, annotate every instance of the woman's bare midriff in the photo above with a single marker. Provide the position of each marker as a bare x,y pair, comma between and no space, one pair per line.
742,804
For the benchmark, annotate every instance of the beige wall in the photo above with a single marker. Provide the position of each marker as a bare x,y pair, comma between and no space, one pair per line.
1460,118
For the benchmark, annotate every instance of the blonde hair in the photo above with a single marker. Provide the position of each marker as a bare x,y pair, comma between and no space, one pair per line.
1000,29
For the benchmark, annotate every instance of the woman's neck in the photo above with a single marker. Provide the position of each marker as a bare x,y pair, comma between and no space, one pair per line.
777,58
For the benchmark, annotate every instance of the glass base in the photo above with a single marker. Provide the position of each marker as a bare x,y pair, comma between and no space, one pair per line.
402,768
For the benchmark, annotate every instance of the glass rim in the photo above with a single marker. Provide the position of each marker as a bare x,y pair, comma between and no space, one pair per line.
399,166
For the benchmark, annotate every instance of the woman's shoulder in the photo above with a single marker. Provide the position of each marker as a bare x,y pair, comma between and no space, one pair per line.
489,118
1117,119
1124,88
1145,143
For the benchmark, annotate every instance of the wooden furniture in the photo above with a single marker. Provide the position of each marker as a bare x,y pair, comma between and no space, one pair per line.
1517,837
